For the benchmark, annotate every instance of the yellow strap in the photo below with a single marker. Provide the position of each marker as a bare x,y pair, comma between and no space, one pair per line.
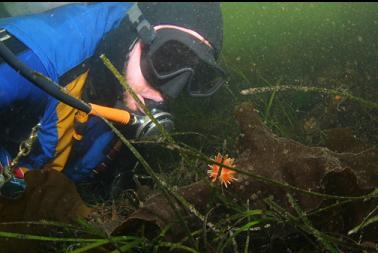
65,125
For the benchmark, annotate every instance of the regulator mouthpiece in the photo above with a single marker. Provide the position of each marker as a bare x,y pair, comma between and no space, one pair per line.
146,128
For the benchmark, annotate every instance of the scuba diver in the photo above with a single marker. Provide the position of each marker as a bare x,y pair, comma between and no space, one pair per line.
161,49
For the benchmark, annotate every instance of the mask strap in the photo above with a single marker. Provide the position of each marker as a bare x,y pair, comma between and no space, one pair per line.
144,29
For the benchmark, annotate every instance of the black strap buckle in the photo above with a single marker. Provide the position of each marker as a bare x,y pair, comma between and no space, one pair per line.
12,43
4,35
145,30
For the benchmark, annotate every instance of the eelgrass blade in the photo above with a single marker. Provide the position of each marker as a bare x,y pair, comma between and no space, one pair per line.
89,247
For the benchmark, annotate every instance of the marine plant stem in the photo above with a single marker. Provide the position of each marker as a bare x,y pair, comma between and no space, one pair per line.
59,239
167,190
246,244
329,246
280,88
285,216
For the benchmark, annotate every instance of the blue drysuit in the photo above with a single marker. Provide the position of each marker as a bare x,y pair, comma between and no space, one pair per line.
56,41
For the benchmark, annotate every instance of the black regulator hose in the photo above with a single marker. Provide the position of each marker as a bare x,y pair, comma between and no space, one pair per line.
41,81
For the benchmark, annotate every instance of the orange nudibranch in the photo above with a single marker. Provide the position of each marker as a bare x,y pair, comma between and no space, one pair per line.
226,176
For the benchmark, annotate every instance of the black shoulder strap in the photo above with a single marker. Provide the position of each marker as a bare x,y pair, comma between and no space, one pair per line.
75,72
12,43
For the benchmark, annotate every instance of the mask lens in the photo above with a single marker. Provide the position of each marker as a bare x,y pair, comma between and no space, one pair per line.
206,81
173,56
173,59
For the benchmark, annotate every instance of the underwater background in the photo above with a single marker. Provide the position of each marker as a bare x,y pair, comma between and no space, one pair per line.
324,45
329,45
300,40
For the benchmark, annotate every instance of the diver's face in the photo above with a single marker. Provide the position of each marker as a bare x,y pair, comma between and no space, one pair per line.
135,78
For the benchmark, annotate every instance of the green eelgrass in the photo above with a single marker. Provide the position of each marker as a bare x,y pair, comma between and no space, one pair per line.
284,106
127,243
224,236
242,224
367,221
330,243
68,239
182,149
307,226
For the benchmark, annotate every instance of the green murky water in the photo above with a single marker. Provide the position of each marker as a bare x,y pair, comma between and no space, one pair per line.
328,45
299,40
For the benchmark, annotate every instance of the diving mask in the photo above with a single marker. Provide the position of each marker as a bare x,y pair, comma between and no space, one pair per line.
172,60
176,60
